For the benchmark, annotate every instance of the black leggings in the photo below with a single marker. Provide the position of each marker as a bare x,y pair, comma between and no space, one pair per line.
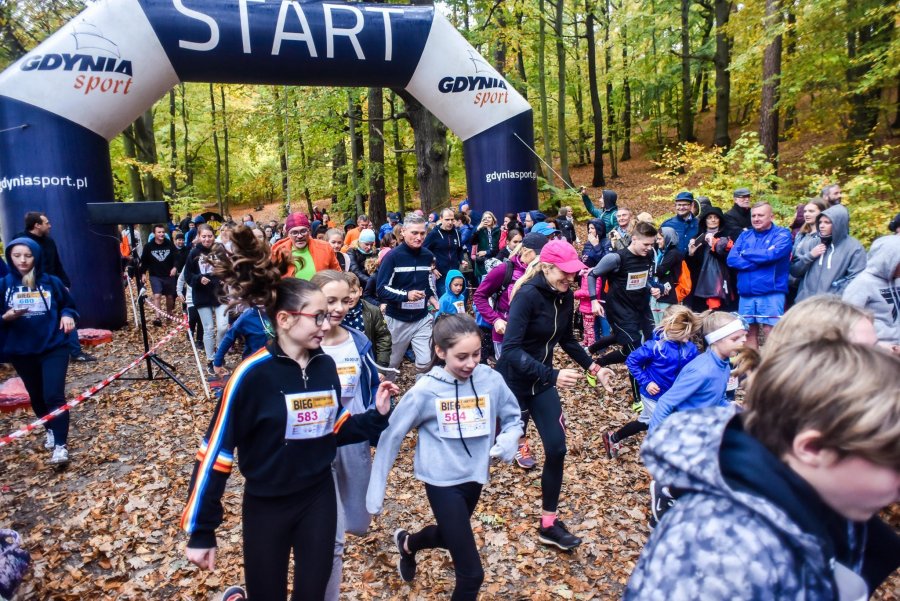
305,522
629,429
546,411
453,507
44,377
628,335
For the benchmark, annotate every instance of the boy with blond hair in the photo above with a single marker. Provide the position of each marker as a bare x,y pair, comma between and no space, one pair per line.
780,502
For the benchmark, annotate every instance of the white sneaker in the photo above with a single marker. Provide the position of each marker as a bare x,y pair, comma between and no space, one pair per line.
60,455
49,442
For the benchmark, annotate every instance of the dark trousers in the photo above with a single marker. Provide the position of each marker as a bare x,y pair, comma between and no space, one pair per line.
630,335
453,507
546,411
194,324
44,376
304,522
74,343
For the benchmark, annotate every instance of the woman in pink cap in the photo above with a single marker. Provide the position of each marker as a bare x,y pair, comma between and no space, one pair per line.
299,254
540,317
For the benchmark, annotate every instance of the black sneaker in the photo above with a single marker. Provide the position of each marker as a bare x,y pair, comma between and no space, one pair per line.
157,323
83,358
406,565
234,593
210,370
559,536
660,501
611,446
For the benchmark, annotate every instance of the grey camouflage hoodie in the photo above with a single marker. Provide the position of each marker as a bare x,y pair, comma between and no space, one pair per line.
831,272
876,289
719,543
455,435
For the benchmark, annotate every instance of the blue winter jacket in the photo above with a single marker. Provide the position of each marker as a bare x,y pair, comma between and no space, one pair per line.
387,228
685,228
762,261
448,302
37,331
659,361
252,325
700,384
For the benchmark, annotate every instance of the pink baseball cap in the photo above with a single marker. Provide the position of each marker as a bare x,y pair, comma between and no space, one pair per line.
563,255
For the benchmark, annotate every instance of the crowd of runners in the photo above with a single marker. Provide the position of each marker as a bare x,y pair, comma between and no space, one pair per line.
762,360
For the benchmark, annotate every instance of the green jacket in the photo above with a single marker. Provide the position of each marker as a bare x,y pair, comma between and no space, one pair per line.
377,331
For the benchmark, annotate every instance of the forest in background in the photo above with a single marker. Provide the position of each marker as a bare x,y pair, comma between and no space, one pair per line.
713,91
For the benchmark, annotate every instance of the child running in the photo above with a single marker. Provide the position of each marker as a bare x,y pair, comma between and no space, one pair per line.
456,409
454,299
655,365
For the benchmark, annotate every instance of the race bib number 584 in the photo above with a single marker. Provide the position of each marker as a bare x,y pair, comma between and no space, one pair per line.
310,414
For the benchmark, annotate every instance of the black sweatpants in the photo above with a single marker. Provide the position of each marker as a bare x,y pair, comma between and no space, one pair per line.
630,335
452,507
44,377
546,411
305,522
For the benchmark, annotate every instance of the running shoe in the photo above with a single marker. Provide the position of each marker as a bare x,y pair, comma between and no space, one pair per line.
558,535
661,501
60,455
637,406
50,441
234,593
612,447
83,358
406,565
523,456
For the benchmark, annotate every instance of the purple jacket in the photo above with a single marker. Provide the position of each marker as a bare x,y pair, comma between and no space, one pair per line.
489,286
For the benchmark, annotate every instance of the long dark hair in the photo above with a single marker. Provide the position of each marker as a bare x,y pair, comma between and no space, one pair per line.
448,328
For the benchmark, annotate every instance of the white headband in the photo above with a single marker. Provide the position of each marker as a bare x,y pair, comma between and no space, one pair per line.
728,329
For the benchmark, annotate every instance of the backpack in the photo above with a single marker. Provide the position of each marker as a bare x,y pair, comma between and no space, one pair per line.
683,287
507,280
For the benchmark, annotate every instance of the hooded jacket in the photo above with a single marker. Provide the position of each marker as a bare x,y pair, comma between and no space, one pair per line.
37,331
437,406
668,261
710,276
377,331
448,248
449,302
540,317
610,209
197,268
701,383
762,260
491,285
50,262
592,253
876,289
659,361
745,526
843,260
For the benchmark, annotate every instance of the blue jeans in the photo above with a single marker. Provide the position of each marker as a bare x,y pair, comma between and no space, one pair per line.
44,376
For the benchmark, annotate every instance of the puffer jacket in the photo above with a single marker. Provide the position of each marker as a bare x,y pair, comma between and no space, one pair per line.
762,260
659,361
843,260
745,526
877,290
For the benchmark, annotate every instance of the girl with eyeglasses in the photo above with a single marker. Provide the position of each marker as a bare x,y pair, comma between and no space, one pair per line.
281,410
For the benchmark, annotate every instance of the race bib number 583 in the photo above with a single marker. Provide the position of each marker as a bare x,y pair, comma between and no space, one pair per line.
310,414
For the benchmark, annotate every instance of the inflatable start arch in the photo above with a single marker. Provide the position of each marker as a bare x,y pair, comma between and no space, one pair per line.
63,102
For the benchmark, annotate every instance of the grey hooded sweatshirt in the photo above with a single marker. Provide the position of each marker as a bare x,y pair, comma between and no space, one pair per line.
877,290
456,435
843,259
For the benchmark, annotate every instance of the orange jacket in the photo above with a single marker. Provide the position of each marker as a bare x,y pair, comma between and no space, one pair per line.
350,237
321,252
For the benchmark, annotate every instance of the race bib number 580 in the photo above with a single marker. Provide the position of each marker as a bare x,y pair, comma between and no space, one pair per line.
310,414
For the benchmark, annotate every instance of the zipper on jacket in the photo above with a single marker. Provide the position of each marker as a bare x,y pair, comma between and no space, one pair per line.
547,345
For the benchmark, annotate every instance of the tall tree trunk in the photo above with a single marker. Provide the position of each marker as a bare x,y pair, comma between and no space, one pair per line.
145,147
305,163
542,92
686,129
771,74
500,43
338,173
212,105
861,46
610,119
656,95
432,154
355,153
134,174
398,155
520,58
704,93
282,152
597,116
377,192
226,188
722,62
173,146
561,96
790,112
626,92
188,168
584,156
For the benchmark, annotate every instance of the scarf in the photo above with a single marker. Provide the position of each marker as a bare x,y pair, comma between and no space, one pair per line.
354,319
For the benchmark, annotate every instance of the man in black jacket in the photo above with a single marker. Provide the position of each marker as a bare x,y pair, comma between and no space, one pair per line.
737,219
37,227
158,259
445,243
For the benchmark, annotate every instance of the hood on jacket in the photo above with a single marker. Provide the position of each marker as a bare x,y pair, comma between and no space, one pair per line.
670,237
610,199
599,227
453,274
840,223
711,211
35,251
884,256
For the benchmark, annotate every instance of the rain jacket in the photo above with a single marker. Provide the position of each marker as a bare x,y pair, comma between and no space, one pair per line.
37,331
453,303
685,228
876,290
762,260
444,457
843,260
659,361
745,525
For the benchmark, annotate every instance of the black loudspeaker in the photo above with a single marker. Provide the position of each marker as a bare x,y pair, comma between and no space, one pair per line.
128,213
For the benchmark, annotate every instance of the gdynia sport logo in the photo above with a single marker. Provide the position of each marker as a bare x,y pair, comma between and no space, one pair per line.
96,62
490,89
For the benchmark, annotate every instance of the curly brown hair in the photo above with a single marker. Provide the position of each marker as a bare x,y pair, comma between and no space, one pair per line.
247,272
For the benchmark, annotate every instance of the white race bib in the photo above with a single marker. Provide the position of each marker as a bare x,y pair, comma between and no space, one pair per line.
349,377
413,305
469,421
310,414
460,306
637,280
31,301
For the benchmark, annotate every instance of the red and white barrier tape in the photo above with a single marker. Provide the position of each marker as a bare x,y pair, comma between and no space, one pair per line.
90,392
162,313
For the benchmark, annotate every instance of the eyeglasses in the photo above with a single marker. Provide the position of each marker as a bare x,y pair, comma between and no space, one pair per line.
319,317
298,233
